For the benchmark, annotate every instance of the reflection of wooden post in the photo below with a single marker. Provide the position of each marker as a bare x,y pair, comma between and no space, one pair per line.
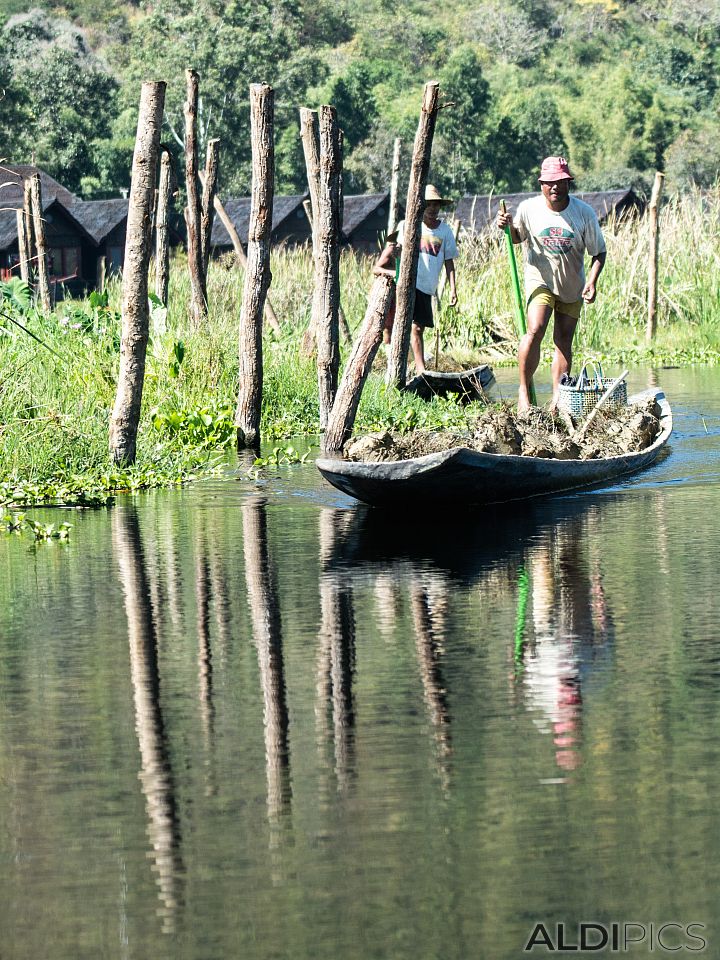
428,651
205,660
40,244
342,416
162,240
198,293
207,211
135,315
654,256
264,604
155,773
327,278
257,275
394,211
400,343
23,255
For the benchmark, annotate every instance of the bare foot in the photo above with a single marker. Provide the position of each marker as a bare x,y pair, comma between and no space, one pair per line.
523,402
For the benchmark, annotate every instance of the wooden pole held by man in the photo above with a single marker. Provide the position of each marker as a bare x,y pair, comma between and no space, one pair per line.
400,342
257,273
653,217
135,314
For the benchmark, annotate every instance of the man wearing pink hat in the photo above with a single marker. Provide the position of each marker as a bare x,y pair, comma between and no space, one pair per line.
557,230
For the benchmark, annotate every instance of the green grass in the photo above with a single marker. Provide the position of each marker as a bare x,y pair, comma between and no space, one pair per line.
55,407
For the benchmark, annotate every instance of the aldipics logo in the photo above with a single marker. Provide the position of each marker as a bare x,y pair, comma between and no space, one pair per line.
617,937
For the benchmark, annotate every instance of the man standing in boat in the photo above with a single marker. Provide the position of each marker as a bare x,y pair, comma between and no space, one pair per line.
558,230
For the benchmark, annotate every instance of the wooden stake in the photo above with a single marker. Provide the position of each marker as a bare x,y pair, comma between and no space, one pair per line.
101,273
654,256
162,241
198,293
27,210
23,254
257,274
310,136
307,346
394,211
326,301
135,315
400,343
342,417
43,282
209,184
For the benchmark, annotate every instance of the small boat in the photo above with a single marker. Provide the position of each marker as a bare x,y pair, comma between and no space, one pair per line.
466,478
467,385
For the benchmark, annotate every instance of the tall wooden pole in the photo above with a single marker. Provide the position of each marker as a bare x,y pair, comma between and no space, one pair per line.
327,278
394,211
400,343
209,183
308,344
198,293
43,282
27,211
257,274
23,254
654,256
342,416
135,316
162,240
310,136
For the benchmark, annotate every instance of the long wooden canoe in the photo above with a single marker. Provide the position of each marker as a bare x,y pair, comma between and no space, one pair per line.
464,477
467,385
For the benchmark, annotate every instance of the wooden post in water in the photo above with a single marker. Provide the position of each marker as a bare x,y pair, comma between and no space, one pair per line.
198,293
308,341
135,315
162,217
327,278
654,256
400,343
257,274
43,282
209,184
23,254
344,410
310,136
394,211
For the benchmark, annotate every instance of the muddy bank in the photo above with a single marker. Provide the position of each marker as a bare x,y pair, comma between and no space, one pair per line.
537,433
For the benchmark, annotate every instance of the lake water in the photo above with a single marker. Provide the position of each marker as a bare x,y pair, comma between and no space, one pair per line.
260,721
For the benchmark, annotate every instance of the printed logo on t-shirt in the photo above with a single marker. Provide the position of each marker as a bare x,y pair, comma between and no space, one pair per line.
431,244
556,239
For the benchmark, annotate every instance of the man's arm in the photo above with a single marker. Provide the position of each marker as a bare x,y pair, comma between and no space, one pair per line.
450,273
596,265
506,220
385,263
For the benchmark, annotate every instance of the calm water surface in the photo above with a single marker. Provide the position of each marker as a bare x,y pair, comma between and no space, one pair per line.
263,722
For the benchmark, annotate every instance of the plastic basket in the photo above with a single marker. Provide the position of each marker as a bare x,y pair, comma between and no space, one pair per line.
580,398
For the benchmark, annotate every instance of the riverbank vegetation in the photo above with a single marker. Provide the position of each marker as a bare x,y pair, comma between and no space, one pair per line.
56,396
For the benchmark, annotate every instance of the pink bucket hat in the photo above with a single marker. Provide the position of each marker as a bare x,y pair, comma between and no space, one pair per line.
554,168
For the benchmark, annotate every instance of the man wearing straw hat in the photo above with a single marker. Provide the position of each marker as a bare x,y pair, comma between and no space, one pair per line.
437,248
558,230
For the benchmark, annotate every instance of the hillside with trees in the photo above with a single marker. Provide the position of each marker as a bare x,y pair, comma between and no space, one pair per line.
620,87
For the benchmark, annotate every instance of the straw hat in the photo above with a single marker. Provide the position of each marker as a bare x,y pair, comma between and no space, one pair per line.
432,193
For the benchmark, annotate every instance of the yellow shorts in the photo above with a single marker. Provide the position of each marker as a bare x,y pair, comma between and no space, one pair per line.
548,299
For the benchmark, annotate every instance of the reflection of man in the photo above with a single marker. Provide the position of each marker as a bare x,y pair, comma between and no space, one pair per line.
437,249
558,229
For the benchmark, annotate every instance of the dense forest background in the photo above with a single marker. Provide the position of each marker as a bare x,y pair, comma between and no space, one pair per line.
621,87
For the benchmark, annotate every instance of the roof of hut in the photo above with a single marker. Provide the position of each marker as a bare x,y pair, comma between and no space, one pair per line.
357,208
100,217
478,212
239,212
12,177
8,221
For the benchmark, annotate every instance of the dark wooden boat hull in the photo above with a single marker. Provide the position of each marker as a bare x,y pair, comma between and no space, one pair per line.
467,385
465,477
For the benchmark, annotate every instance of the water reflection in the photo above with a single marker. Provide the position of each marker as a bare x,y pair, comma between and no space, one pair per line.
205,658
155,774
264,604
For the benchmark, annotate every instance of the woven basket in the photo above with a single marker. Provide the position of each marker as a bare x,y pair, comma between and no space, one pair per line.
580,399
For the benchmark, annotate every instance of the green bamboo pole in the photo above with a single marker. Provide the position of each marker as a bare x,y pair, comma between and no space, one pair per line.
519,307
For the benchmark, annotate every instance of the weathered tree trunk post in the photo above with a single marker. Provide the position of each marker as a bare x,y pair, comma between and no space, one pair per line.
135,316
162,240
342,416
220,210
394,211
654,256
41,247
198,293
101,273
27,210
308,341
23,255
397,361
310,136
257,274
327,278
209,183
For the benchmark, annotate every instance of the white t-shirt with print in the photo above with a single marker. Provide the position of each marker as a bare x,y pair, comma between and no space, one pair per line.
555,245
437,244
